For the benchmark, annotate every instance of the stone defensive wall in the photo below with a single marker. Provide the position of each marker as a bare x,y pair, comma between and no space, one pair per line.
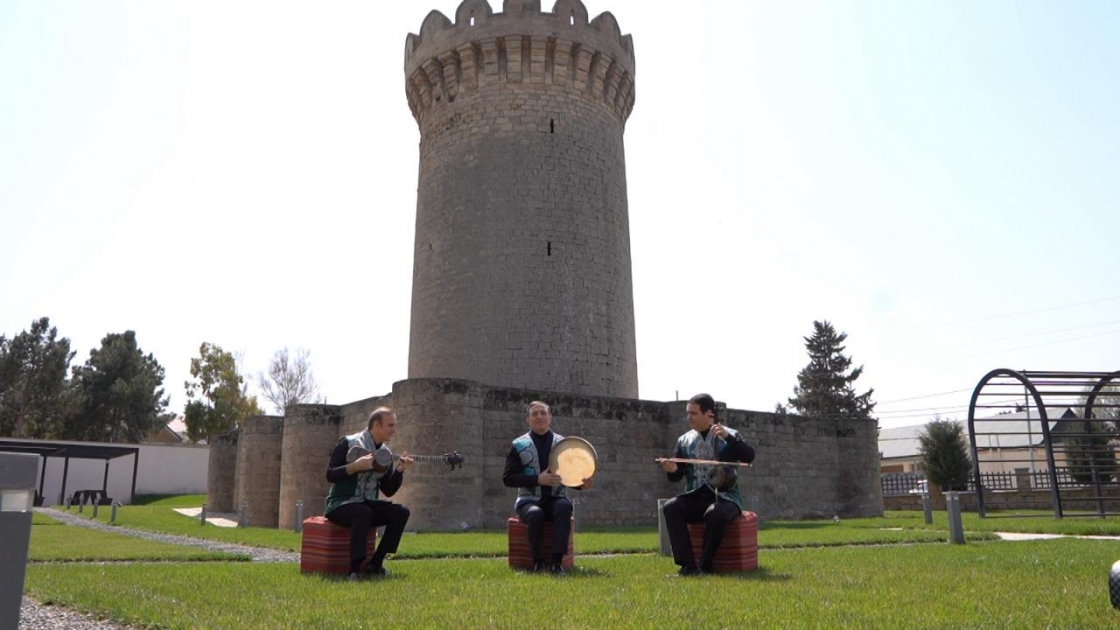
521,44
804,467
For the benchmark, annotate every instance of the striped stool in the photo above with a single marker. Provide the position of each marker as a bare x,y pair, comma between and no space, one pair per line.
326,546
519,555
739,549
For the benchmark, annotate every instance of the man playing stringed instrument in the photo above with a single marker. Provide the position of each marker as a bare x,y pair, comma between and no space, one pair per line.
711,442
354,499
540,495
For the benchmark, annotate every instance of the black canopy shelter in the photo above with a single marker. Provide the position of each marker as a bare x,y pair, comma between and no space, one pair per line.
68,450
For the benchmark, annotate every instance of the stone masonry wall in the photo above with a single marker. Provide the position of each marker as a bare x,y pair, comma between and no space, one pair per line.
220,473
522,273
258,468
805,468
310,433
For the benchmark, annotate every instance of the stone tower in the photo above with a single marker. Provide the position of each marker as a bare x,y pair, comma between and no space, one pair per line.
521,272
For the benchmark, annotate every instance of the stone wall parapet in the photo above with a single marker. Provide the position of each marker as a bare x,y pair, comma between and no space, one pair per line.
522,44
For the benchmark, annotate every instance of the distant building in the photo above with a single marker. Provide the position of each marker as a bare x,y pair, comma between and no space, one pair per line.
1004,442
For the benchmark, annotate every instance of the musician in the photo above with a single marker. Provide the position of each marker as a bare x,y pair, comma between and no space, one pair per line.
354,499
540,496
707,440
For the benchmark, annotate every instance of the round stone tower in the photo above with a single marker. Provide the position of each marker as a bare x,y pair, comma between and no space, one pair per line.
522,258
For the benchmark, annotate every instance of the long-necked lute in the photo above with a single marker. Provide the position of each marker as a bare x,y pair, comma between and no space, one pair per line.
382,458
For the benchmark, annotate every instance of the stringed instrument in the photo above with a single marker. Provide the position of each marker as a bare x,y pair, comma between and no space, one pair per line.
382,459
721,476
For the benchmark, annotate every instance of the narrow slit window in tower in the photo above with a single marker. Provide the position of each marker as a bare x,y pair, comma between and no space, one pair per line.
572,19
472,20
551,125
550,248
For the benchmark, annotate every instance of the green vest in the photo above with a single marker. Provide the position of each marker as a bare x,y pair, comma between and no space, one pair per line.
692,445
362,486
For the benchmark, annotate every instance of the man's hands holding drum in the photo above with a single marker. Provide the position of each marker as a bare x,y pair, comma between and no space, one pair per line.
548,478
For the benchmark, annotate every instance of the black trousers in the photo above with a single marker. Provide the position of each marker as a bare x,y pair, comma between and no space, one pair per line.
698,506
360,517
558,511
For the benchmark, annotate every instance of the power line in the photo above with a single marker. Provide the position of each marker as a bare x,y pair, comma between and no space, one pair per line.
1040,310
1039,345
954,391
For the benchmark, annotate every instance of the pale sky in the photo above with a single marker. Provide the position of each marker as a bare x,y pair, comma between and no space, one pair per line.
938,179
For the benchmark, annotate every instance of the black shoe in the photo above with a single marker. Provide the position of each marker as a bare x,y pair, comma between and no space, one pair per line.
557,570
538,567
690,570
377,571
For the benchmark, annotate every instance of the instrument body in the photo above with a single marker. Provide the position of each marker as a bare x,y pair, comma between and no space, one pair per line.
574,459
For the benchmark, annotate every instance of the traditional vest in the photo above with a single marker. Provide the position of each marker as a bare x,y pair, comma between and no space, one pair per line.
530,459
362,486
692,445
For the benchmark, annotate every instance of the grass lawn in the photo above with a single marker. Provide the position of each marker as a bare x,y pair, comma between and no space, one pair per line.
1052,583
53,542
157,515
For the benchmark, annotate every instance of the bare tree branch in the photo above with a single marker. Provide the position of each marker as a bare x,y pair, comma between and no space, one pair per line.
289,380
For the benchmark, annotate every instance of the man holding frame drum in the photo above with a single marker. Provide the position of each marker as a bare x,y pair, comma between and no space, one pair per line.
706,444
541,494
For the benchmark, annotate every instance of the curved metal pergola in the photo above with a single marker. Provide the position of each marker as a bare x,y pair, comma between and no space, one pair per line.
1052,393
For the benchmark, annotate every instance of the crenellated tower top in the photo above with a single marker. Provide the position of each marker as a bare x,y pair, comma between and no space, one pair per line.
522,44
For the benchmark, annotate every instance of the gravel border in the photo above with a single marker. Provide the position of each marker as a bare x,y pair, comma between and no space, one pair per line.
36,616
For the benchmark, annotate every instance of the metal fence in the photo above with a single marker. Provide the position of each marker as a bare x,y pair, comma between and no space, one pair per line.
895,484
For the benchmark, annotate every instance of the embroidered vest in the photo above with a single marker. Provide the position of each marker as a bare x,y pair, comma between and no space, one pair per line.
530,459
362,486
692,445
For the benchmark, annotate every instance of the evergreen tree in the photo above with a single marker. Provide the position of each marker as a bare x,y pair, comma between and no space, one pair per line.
945,455
120,393
217,395
34,393
825,387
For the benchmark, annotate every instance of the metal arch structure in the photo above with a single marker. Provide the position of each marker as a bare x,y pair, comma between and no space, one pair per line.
1066,401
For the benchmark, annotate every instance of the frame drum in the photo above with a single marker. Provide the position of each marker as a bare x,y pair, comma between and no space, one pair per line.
574,460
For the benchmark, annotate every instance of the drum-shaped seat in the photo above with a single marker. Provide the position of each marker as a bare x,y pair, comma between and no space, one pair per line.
326,546
519,555
739,549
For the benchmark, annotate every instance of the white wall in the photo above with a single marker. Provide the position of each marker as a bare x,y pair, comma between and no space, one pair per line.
163,469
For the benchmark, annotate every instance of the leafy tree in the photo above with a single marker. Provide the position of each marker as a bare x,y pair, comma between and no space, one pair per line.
1091,451
120,392
945,454
289,380
825,387
217,397
34,392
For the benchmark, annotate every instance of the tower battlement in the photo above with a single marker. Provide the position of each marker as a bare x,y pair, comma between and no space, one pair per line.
522,44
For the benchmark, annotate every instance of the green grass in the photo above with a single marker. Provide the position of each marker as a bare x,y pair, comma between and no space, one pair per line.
1055,583
51,543
901,527
171,500
1030,521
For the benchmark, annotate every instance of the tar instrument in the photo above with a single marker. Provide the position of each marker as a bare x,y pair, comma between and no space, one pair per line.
574,459
382,458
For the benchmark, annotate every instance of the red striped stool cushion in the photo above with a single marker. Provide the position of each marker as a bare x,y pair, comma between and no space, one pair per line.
519,555
326,546
739,549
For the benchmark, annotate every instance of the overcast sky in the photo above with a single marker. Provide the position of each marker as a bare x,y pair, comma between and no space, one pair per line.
938,179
